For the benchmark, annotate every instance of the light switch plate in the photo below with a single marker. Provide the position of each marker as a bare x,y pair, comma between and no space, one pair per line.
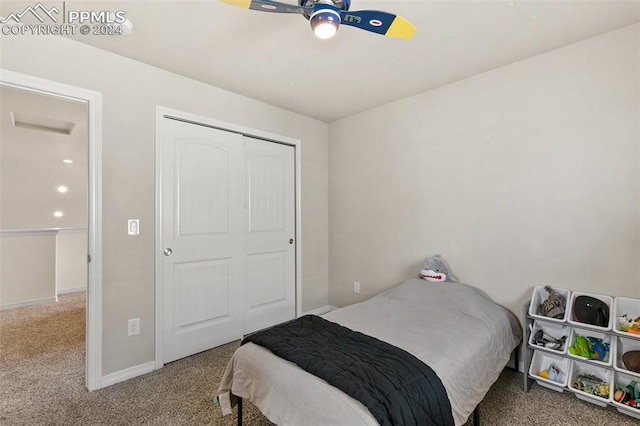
133,227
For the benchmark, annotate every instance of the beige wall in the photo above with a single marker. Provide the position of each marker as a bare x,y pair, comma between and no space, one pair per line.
131,90
38,265
521,176
20,282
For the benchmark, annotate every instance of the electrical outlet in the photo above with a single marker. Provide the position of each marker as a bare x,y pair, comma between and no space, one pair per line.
134,326
356,287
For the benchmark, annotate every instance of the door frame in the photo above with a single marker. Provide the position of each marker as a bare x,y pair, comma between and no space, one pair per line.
163,113
93,357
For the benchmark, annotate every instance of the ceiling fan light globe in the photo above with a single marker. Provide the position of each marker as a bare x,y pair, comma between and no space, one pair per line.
325,30
324,23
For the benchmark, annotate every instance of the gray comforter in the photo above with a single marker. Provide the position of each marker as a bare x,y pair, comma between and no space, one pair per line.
456,329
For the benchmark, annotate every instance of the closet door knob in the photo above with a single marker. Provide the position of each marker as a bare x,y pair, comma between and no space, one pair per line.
291,241
167,252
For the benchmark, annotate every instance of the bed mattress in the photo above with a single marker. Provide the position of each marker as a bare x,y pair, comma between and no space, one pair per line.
456,329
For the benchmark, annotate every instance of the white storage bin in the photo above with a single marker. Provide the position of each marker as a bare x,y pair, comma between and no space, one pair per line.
555,330
542,361
624,380
540,295
624,345
578,368
606,338
608,300
630,307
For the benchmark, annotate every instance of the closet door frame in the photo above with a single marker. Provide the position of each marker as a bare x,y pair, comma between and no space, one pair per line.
161,114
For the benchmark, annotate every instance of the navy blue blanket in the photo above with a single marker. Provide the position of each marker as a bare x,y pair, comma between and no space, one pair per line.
396,387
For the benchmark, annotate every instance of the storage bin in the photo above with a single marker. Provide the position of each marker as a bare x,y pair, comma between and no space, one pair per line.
623,380
608,300
543,361
624,345
578,368
540,295
606,339
622,306
554,330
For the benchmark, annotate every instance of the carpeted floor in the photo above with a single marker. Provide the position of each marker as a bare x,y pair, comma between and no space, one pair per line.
42,383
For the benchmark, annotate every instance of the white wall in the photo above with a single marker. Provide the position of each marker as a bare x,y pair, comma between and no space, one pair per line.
131,90
521,176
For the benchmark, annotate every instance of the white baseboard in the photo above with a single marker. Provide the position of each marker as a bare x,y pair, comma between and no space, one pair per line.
8,306
127,373
72,290
320,311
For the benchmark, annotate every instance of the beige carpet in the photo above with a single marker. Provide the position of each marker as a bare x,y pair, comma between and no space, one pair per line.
42,383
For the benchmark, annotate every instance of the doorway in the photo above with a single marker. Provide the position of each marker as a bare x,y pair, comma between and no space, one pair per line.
92,195
227,235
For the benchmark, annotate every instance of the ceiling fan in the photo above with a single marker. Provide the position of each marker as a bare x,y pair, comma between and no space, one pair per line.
326,16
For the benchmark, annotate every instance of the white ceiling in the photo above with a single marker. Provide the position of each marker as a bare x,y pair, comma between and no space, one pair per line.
276,58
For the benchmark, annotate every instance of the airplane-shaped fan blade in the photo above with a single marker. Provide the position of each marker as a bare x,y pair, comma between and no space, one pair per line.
269,6
378,22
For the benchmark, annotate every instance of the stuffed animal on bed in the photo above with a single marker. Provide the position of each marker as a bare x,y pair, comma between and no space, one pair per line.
434,269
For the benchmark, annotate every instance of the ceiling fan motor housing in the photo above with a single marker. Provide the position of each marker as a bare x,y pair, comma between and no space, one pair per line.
310,4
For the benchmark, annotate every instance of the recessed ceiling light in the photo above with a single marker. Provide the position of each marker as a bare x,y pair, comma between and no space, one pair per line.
58,214
67,161
511,3
62,188
534,17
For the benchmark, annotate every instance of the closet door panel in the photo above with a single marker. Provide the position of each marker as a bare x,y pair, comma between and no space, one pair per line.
270,234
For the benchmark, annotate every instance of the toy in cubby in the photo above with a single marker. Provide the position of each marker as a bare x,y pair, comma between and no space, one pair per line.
591,311
590,345
591,383
549,370
628,324
627,356
549,336
550,303
626,394
627,316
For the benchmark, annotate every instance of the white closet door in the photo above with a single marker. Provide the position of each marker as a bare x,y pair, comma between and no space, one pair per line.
270,234
202,238
228,235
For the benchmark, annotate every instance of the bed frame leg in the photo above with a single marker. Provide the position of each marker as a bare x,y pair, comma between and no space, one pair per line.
239,411
476,416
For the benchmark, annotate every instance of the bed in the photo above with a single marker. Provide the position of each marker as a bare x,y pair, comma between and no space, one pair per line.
454,328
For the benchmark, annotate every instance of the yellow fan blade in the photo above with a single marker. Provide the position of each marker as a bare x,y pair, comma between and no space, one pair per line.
240,3
400,28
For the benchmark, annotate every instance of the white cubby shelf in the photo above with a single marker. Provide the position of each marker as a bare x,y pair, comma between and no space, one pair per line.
611,369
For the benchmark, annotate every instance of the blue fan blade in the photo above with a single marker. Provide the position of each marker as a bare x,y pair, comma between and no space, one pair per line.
269,6
378,22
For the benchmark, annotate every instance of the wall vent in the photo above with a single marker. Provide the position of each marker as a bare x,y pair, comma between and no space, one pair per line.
44,124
